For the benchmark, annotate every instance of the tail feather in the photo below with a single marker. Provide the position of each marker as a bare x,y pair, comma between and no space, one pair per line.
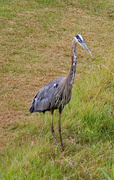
39,105
31,108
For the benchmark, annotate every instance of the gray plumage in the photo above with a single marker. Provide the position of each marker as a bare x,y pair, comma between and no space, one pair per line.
57,93
46,98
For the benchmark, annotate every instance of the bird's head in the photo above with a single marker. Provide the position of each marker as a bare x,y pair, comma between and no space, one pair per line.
80,40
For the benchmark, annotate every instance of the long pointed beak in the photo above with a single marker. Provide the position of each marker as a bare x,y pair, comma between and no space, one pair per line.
84,45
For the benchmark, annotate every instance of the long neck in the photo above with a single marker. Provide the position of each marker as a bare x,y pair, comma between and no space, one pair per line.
71,74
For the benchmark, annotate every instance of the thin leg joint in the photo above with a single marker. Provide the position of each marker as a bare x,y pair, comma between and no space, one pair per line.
59,129
52,129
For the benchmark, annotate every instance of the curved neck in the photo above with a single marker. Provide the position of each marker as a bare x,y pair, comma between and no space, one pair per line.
71,74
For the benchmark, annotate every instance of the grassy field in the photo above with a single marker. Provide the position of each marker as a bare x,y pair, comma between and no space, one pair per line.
35,45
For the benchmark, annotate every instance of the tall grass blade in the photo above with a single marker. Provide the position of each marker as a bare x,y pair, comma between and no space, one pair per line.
107,176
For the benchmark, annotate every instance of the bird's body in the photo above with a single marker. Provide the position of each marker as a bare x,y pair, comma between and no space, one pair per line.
57,93
46,98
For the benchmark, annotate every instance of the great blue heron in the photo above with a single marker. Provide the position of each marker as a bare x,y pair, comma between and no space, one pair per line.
57,93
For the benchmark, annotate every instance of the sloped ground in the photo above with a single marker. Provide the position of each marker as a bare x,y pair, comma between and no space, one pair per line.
36,48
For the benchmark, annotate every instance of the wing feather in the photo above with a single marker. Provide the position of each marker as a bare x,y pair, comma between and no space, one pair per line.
45,99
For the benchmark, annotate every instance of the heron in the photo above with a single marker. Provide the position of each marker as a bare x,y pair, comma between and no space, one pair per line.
57,93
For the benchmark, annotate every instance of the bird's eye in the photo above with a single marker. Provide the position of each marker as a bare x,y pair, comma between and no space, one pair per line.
79,40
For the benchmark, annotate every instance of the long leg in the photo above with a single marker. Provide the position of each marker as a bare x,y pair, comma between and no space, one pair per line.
59,128
52,127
